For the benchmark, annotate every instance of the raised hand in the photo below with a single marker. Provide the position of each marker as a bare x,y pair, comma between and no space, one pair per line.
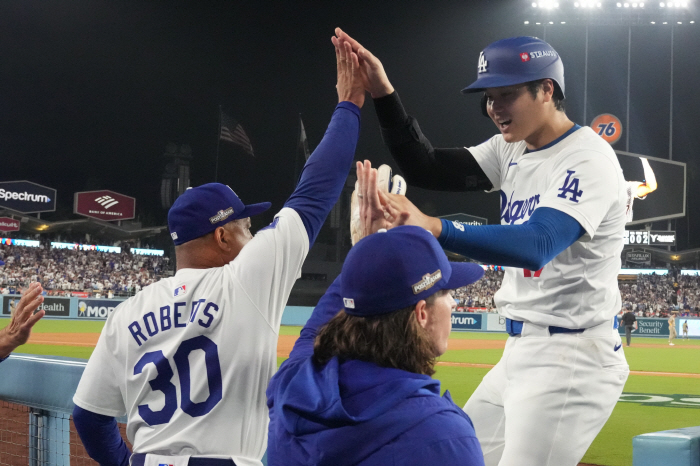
374,77
20,327
400,211
350,86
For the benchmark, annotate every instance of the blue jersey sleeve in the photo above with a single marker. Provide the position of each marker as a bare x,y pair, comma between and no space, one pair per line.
327,307
101,438
324,174
531,245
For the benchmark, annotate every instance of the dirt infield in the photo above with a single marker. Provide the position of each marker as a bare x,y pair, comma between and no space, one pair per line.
65,339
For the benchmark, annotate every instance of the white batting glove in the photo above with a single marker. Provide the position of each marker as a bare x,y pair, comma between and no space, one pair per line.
386,183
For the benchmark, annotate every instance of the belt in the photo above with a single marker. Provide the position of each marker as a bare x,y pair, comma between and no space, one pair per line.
138,459
515,327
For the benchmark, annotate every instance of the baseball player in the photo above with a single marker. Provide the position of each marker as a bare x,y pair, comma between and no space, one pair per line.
639,189
562,222
356,388
187,359
23,319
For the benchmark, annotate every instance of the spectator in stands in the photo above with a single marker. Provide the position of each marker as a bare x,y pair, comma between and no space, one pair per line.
629,321
64,270
20,326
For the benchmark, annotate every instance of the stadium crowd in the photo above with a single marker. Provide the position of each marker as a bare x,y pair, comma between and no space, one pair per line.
479,295
659,295
65,271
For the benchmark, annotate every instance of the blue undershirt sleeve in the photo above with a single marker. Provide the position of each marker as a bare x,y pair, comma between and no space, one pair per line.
101,438
531,245
324,174
327,307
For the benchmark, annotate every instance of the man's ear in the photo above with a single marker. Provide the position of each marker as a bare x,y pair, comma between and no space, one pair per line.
548,89
421,312
222,240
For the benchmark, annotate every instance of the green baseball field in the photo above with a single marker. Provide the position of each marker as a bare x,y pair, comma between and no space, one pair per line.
662,392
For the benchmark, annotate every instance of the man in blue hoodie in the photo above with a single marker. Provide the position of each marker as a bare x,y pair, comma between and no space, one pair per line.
356,389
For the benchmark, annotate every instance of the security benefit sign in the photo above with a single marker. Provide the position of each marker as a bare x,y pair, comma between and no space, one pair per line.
55,307
466,321
104,205
648,327
27,197
638,257
97,308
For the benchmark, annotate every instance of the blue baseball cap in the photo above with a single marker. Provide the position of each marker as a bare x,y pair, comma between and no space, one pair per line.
517,60
203,209
394,269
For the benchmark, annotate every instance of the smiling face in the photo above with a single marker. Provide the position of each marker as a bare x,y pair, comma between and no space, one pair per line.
515,112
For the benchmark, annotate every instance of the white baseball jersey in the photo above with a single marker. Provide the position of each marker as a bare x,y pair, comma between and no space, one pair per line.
188,359
580,176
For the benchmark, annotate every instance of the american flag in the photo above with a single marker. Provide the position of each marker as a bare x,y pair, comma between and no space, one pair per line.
233,132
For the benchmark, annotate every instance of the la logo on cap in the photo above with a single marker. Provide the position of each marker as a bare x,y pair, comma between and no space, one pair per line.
483,64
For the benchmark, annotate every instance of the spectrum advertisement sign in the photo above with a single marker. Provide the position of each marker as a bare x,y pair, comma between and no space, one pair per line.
466,321
27,197
104,205
97,308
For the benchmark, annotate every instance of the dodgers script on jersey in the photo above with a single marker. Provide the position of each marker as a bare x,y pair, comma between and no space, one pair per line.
182,357
580,176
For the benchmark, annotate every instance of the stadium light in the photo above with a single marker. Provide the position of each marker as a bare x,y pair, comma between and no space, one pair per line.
600,5
626,5
665,22
534,5
662,4
551,22
692,22
653,22
680,22
527,22
576,5
563,22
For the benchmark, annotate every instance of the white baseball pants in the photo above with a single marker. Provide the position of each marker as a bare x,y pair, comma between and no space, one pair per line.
548,397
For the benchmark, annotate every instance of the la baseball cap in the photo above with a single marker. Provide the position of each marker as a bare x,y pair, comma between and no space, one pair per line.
391,270
201,210
517,60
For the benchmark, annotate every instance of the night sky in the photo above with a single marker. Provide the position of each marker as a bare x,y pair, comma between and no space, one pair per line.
92,91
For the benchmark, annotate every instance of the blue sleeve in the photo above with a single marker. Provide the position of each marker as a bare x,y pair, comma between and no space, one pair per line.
528,246
327,307
324,174
101,438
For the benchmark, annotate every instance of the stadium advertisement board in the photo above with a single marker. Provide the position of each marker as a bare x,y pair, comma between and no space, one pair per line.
55,307
97,308
667,200
648,327
104,205
27,197
464,321
638,257
466,219
9,224
495,322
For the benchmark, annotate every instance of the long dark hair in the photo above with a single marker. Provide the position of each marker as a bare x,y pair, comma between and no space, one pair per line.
392,340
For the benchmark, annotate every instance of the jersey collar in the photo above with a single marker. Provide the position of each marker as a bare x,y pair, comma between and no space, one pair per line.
556,141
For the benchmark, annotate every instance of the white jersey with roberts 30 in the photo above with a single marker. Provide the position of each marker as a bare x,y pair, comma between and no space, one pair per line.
167,384
580,176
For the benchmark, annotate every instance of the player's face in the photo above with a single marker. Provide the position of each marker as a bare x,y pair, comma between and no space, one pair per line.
515,112
439,322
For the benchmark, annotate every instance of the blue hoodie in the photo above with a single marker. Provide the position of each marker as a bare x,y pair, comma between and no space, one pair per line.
356,412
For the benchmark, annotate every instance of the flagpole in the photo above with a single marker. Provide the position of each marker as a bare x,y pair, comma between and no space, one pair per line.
218,141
